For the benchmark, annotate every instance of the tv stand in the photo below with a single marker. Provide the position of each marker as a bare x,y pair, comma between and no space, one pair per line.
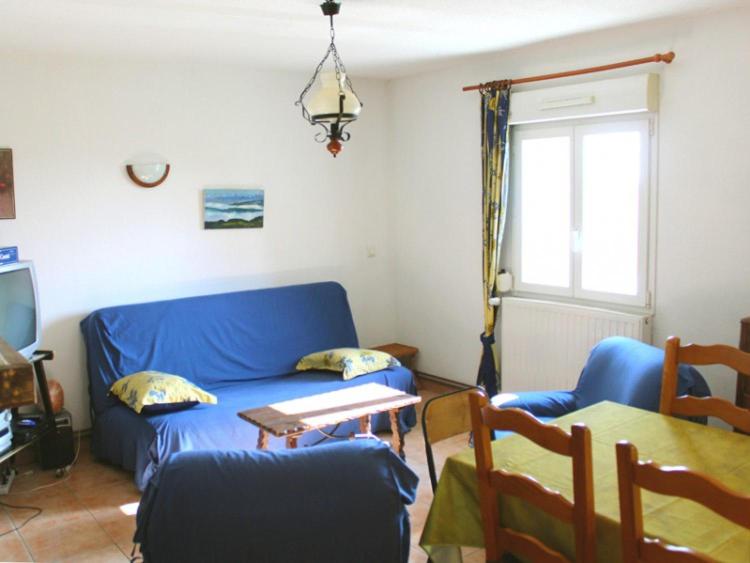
37,361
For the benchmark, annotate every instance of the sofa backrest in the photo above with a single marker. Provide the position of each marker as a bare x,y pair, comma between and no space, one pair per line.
216,338
629,372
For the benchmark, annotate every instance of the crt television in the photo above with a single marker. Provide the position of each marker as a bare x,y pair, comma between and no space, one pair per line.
19,307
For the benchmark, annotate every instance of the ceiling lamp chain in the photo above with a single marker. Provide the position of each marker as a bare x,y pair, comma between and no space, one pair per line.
334,103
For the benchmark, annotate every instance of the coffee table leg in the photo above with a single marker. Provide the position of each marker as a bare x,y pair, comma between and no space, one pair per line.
262,439
365,425
398,438
291,442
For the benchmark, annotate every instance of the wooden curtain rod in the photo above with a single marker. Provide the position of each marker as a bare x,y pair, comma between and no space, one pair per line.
658,58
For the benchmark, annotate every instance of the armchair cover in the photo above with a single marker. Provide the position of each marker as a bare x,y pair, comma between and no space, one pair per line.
339,502
619,369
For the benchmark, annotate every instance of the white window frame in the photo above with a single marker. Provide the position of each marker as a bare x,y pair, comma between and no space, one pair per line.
644,123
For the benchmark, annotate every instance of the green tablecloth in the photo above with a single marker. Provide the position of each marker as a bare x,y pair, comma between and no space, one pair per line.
454,518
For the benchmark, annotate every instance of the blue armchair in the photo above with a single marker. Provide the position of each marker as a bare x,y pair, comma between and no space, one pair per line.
337,503
618,369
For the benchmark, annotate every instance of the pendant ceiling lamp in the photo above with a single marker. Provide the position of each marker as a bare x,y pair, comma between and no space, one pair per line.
329,100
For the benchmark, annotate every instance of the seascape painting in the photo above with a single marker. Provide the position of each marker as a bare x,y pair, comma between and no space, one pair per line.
233,208
7,196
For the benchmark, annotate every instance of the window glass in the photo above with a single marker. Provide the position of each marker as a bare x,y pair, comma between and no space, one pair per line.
545,222
610,180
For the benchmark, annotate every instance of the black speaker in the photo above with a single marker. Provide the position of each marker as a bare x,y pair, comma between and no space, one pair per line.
56,449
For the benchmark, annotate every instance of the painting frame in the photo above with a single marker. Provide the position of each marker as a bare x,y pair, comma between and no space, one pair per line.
7,185
233,208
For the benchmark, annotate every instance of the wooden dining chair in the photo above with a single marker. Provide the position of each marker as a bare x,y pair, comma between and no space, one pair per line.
718,354
493,481
632,475
443,417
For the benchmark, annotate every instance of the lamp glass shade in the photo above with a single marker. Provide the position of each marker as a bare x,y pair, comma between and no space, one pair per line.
324,100
149,172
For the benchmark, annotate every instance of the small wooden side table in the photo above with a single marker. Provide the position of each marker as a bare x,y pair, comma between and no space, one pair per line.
403,353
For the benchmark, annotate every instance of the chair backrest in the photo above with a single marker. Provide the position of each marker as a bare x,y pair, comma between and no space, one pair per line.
718,354
576,445
443,417
633,475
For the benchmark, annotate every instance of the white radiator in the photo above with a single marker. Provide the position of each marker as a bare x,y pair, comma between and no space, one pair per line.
544,345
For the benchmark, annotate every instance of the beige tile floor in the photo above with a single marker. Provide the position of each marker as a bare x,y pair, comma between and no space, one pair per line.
89,515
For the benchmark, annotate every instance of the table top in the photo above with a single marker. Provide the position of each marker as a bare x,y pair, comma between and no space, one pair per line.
398,350
317,411
454,517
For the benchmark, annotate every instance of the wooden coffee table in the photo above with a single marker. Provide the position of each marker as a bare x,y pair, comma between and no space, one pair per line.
292,418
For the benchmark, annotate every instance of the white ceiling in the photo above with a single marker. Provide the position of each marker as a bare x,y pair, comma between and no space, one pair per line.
379,38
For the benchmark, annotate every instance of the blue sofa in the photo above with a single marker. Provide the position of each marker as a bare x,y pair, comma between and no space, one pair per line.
337,503
618,369
242,347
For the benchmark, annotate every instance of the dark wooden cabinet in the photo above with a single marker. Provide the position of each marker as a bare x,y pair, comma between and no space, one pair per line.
743,380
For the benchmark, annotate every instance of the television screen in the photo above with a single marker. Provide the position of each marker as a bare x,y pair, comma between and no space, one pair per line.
17,308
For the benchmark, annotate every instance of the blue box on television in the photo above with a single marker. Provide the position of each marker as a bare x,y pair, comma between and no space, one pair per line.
8,255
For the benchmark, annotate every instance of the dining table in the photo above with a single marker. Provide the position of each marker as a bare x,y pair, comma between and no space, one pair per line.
454,518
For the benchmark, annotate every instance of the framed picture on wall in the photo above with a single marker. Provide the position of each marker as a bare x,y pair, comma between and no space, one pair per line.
7,195
233,208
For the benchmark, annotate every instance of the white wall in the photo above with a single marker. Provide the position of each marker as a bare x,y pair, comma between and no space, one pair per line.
98,240
702,257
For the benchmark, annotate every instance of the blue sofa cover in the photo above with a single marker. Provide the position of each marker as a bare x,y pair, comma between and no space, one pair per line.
336,503
619,369
241,346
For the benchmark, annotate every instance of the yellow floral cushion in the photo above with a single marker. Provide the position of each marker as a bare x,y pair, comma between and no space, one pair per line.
351,362
157,392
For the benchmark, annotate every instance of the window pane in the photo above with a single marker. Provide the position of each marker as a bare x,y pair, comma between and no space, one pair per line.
611,171
545,211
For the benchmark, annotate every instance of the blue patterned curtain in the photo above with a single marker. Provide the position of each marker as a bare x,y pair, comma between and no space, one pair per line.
495,104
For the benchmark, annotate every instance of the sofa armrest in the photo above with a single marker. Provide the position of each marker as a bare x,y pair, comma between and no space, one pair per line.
539,403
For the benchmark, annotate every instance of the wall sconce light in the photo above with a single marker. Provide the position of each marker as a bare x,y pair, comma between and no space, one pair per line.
147,171
333,104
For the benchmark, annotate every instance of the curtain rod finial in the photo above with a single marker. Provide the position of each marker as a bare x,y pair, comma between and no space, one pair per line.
667,57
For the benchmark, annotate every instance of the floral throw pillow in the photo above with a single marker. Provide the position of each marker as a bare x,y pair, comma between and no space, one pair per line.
351,362
154,392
